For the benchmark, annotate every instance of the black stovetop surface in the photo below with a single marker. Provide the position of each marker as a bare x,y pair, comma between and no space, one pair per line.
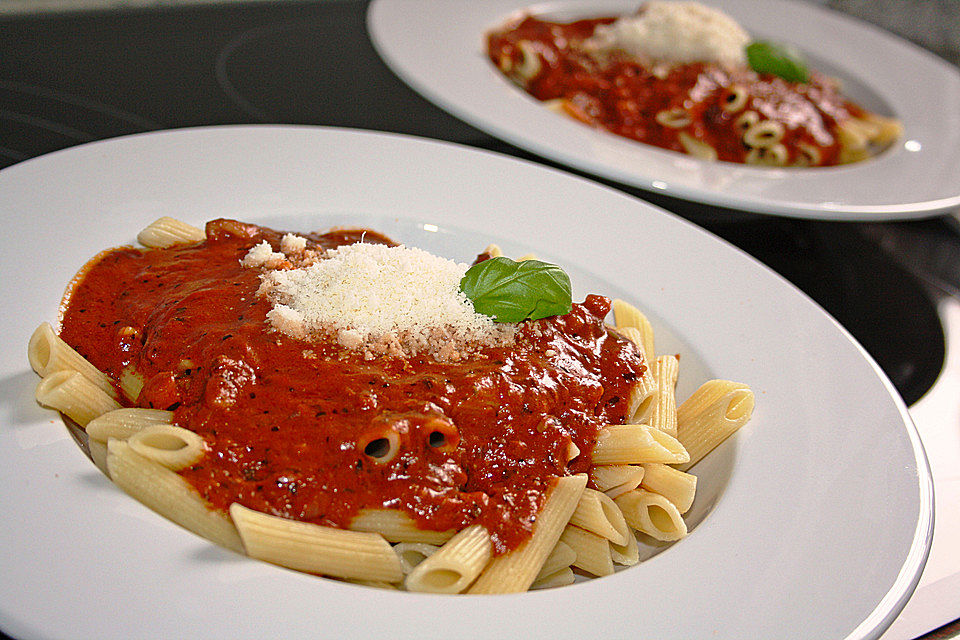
71,78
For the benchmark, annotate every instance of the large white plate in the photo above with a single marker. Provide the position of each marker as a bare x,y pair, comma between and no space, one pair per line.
814,520
438,48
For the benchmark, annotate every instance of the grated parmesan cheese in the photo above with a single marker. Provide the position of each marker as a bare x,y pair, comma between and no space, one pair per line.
397,301
676,32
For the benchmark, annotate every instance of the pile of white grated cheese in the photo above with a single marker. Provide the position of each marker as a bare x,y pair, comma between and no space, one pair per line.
674,32
381,300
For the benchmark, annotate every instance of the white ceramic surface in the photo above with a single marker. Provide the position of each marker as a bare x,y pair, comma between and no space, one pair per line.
438,48
814,520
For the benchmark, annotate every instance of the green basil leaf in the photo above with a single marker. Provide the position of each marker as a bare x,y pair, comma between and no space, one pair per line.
783,61
510,291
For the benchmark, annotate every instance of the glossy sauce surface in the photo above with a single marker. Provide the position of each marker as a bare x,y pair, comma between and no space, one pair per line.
624,96
290,423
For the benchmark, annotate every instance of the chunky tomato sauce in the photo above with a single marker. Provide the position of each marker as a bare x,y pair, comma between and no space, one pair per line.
624,96
288,422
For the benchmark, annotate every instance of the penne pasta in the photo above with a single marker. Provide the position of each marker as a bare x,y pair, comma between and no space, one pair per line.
652,514
168,494
593,551
413,553
167,232
396,526
626,315
515,571
73,395
637,443
663,413
455,566
316,549
125,422
674,485
173,447
560,558
616,478
597,513
711,415
49,354
562,578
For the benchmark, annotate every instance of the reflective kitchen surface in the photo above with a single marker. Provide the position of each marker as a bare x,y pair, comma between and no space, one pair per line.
69,77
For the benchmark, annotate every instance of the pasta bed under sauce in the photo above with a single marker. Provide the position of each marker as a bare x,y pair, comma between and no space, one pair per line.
299,429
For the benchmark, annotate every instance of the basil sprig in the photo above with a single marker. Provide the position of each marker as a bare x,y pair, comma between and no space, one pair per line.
780,60
510,291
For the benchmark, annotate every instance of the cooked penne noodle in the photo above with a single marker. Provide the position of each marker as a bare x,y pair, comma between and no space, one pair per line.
515,571
615,479
652,514
560,558
167,232
593,551
413,553
314,548
627,315
123,423
643,398
562,578
74,395
676,486
169,495
375,584
98,453
710,415
455,565
636,443
48,353
396,526
627,554
599,514
697,148
663,413
174,447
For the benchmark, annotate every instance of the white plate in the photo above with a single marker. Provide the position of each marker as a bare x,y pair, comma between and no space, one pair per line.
814,520
438,48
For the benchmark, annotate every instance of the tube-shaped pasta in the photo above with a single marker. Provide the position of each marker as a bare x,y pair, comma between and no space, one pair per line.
627,315
514,572
74,395
676,486
593,551
764,133
561,578
643,397
167,232
627,554
168,494
663,414
710,415
652,514
696,148
48,353
413,553
615,479
636,443
598,513
455,565
396,526
174,447
123,423
314,548
561,557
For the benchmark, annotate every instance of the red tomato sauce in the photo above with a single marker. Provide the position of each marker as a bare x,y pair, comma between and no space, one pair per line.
623,96
287,420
